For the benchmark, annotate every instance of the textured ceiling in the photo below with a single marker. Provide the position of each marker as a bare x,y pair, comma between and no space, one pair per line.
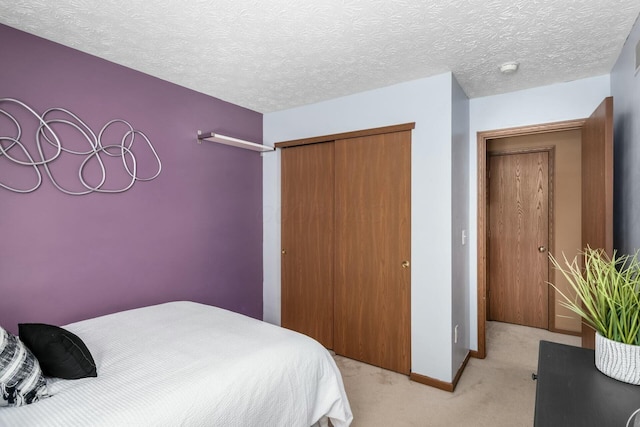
277,54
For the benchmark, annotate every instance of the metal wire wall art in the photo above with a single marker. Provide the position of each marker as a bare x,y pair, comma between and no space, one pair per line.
56,130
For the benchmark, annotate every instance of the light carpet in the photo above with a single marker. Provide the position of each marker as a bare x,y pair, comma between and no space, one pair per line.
496,391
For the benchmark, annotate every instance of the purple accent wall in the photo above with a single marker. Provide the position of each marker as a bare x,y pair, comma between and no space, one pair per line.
193,233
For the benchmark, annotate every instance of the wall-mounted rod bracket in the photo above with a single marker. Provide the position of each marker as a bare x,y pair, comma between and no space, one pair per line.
234,142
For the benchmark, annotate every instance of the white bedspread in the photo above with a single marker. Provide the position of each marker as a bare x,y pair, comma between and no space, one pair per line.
189,364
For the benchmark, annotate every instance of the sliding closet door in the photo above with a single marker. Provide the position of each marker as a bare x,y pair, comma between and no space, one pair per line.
307,240
372,228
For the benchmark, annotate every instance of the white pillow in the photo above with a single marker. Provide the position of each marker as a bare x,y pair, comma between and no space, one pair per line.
21,379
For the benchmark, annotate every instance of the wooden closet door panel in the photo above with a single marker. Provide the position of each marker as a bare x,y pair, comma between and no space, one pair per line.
373,229
307,240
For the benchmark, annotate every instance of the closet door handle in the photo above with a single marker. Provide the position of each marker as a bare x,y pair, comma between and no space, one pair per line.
542,249
405,264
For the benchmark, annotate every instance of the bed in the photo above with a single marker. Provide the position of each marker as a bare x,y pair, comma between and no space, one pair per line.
189,364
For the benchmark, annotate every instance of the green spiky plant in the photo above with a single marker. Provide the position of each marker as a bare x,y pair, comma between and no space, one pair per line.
607,293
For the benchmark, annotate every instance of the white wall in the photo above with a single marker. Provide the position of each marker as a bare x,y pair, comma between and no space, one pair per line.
625,88
427,102
460,224
546,104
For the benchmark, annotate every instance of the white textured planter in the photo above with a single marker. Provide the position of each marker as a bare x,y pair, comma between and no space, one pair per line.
618,360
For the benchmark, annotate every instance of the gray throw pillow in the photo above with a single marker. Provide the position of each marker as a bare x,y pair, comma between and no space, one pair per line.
21,379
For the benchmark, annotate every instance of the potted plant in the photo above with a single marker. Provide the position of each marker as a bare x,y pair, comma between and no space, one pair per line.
607,298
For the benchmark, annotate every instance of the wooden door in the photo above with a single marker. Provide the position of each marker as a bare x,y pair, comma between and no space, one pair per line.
518,235
597,187
373,229
307,240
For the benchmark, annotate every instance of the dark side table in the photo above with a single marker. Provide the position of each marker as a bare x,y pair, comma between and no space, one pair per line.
572,392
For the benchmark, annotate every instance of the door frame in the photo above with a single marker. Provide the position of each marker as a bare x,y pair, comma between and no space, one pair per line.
482,190
550,150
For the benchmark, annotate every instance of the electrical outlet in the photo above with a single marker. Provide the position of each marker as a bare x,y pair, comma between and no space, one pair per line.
455,335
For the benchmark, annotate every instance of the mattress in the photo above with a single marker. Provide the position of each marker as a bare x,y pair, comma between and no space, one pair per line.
189,364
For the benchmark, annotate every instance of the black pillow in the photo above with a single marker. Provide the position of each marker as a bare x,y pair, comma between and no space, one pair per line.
61,354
